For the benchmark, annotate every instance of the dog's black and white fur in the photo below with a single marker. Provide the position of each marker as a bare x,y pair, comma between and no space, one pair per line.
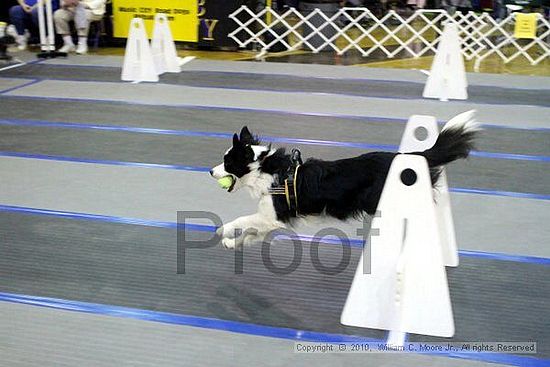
342,189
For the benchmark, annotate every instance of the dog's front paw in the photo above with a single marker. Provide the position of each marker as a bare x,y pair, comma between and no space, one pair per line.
227,231
229,243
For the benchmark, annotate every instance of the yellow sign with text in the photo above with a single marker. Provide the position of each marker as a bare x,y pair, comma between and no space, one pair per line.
181,14
526,26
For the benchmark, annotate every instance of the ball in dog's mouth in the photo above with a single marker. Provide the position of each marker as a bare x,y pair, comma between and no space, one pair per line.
227,183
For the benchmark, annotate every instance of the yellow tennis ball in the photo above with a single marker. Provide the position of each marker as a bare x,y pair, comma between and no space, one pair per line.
225,182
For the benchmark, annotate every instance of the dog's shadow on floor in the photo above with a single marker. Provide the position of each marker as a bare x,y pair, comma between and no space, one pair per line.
239,304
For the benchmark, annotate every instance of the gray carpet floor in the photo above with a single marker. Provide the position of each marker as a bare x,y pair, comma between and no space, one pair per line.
132,265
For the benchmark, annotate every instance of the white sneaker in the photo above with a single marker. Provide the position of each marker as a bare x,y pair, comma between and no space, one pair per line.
11,31
67,48
82,49
21,42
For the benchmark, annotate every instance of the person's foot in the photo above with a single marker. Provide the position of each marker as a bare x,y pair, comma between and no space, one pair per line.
11,31
21,41
82,49
67,48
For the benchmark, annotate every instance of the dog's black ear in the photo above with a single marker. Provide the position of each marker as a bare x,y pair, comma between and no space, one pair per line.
236,140
246,137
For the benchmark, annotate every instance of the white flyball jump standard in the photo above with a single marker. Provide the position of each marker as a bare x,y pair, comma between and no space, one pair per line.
163,47
412,240
420,134
447,79
46,30
144,61
407,290
138,63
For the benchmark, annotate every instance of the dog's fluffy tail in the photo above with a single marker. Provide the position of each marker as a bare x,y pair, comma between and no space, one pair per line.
455,141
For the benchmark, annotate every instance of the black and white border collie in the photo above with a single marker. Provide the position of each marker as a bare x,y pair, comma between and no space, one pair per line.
343,189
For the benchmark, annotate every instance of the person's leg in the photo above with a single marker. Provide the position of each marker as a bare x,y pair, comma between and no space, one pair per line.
62,17
82,20
33,26
18,18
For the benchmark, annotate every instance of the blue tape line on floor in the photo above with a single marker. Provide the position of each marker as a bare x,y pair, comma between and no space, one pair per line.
269,139
363,118
187,320
99,161
476,191
287,91
243,328
19,86
420,81
519,195
206,228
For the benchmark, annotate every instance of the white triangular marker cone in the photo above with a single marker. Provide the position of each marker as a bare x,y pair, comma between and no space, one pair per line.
447,78
407,289
410,143
163,47
138,61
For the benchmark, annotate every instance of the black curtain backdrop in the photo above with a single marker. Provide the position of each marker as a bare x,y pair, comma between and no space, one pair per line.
5,6
219,10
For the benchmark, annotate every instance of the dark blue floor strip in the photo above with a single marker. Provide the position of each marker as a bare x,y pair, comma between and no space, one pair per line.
521,195
364,118
207,228
269,139
244,328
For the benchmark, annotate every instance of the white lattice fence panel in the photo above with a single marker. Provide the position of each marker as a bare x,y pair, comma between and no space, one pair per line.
500,40
392,34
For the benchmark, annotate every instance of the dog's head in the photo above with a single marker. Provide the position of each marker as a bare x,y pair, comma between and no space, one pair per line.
241,160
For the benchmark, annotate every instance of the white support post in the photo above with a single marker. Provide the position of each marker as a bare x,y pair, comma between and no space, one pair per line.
42,26
49,24
46,30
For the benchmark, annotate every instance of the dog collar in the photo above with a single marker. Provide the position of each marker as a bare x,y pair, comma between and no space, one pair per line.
288,186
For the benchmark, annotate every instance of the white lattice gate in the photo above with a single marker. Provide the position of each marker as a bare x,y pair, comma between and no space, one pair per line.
392,34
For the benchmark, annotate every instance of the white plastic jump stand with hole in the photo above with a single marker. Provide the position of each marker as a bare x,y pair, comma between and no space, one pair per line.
407,290
163,47
138,63
447,78
411,143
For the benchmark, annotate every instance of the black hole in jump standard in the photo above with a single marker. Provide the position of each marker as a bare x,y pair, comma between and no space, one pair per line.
408,177
421,133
